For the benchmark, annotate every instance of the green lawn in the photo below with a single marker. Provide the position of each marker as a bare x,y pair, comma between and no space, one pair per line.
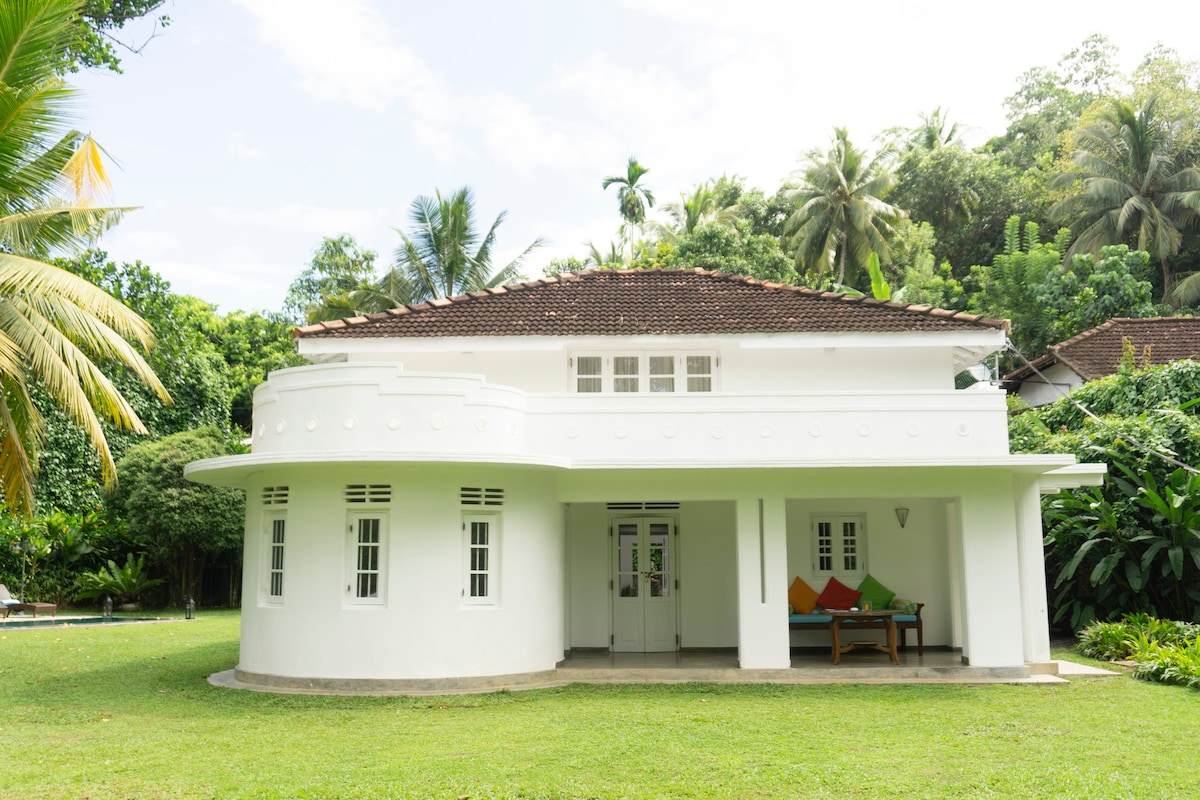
125,712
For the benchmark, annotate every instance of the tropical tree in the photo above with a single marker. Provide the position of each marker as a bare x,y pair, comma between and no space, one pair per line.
1130,187
632,198
52,323
338,267
933,132
841,216
702,205
445,254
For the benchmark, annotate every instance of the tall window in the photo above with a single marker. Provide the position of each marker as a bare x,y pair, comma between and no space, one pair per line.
655,373
276,526
839,544
480,545
366,551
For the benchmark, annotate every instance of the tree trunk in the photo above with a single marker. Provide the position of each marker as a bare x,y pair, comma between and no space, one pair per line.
1168,283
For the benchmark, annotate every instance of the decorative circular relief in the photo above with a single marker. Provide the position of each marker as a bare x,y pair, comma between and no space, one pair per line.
280,426
620,432
717,432
963,429
393,423
913,430
311,424
481,424
765,431
572,432
437,422
815,431
262,429
349,423
864,430
670,431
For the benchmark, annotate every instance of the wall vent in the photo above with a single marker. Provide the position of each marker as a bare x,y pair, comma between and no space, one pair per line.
477,496
650,506
275,495
368,493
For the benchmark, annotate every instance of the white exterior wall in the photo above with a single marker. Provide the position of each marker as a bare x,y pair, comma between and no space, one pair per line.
1062,380
423,628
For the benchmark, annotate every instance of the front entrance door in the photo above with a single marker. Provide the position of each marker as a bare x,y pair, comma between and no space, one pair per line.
644,615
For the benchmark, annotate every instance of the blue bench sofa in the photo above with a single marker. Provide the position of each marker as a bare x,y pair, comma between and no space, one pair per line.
817,621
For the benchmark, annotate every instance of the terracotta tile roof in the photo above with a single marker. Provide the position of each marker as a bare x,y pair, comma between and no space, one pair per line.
1097,352
640,302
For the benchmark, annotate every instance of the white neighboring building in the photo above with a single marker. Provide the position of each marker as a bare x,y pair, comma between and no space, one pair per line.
627,460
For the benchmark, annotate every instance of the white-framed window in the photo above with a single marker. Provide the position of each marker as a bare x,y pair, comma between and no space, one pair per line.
366,552
481,547
644,372
839,544
276,531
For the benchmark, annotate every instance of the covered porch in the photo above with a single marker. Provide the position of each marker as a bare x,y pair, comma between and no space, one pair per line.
730,542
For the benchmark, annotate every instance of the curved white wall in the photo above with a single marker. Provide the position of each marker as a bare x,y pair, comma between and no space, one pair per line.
354,411
422,629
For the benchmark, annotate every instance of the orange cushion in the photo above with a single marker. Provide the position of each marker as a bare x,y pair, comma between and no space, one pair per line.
838,595
802,597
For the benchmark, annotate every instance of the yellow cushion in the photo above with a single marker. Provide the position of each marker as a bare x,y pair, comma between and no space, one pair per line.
802,597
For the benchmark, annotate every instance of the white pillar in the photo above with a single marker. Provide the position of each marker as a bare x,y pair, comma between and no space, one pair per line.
992,619
1031,555
763,641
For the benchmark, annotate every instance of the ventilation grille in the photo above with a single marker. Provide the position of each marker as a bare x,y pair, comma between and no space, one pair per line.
651,506
275,495
476,496
368,493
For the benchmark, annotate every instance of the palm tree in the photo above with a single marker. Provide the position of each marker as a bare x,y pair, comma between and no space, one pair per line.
932,132
702,205
840,215
52,323
632,199
445,254
1130,188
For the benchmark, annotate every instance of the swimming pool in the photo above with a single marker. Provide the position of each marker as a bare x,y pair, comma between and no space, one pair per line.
73,622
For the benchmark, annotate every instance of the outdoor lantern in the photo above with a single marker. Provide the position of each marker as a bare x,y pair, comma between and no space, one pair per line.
107,607
902,515
189,611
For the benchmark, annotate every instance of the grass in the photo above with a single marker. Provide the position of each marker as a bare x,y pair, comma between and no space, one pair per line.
125,712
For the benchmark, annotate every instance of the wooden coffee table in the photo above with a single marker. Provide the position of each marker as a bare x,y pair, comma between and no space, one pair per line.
884,616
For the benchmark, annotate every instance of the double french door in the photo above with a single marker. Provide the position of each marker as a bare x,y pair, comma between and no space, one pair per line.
644,585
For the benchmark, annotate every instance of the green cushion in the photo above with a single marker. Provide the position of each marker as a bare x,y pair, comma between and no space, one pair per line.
875,593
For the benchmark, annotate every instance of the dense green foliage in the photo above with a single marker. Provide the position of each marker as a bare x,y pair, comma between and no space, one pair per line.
338,268
1132,545
1165,651
181,525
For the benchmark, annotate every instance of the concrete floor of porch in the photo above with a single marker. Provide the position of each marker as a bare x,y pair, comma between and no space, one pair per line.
807,666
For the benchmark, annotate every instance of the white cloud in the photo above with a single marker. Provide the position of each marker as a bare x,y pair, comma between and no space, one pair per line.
236,145
302,217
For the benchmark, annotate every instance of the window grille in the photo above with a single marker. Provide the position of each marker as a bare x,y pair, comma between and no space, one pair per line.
477,496
368,493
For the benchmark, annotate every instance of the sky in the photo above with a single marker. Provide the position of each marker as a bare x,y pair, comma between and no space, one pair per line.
249,130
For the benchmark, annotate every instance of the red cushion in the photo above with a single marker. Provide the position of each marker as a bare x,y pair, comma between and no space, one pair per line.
838,595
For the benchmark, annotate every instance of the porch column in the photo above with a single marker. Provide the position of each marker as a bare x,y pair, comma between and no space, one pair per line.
1034,614
991,591
763,641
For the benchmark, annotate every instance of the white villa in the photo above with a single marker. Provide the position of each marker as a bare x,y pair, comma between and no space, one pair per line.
630,461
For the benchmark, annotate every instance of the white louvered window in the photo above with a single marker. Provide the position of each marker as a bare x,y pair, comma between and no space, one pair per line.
366,555
276,528
839,545
481,538
644,372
